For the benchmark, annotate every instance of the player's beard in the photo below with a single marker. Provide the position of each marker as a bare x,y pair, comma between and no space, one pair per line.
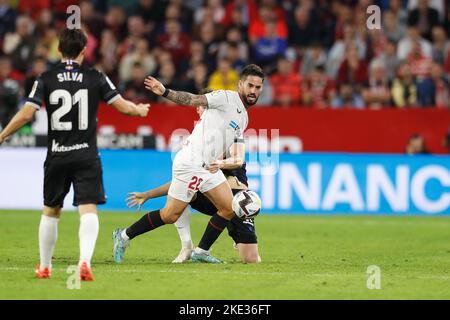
250,103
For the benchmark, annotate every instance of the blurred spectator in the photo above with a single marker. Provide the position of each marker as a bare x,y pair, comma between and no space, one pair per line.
126,6
446,141
213,11
234,57
115,20
447,19
438,5
416,145
303,31
286,84
435,90
389,60
340,47
348,97
343,18
177,10
400,13
314,56
175,41
108,52
91,19
404,88
318,90
377,94
269,24
420,63
353,69
447,63
20,45
197,55
269,47
136,31
133,88
234,38
424,17
441,45
9,92
197,78
33,8
139,55
246,9
266,97
49,43
224,78
39,66
207,35
44,22
91,47
406,44
7,18
151,12
391,27
167,76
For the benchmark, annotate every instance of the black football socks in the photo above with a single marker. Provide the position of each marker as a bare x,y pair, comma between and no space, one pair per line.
148,222
213,230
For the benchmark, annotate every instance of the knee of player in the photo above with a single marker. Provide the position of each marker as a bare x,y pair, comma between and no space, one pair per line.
227,214
170,219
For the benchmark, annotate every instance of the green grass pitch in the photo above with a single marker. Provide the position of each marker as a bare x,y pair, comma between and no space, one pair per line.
304,257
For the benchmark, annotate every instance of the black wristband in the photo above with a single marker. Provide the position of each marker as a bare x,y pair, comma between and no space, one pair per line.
166,93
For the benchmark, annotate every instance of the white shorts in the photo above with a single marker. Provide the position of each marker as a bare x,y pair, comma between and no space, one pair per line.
187,180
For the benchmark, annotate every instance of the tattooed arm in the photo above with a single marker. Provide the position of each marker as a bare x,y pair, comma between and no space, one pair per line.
179,97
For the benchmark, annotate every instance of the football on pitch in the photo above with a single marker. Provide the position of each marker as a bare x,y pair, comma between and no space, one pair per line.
246,204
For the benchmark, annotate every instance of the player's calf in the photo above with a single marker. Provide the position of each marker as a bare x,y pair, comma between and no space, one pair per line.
221,196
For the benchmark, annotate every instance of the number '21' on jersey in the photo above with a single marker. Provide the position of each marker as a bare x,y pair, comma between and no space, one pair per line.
71,94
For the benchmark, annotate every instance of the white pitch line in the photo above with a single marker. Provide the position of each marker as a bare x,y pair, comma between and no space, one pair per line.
17,269
412,277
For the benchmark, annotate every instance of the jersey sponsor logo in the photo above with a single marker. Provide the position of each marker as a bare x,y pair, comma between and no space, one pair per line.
56,148
70,76
238,110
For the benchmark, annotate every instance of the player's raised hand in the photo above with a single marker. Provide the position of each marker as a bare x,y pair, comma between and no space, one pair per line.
142,109
1,139
154,86
136,199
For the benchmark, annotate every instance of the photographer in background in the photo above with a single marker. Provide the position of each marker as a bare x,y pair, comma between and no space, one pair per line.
416,145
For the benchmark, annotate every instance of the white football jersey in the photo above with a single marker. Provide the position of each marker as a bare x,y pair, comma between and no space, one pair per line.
220,125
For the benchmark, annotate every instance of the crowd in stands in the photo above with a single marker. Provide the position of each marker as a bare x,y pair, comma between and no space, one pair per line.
317,54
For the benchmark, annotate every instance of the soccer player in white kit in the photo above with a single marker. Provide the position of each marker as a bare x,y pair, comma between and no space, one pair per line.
224,120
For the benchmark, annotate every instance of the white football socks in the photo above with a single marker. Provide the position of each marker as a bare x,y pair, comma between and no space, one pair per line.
183,226
48,233
88,233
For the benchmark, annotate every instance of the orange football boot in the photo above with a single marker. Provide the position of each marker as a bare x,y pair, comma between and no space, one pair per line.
43,274
86,273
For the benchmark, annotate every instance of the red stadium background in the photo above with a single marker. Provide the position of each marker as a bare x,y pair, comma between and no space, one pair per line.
348,130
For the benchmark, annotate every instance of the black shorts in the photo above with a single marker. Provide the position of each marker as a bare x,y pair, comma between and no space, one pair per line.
242,231
86,177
